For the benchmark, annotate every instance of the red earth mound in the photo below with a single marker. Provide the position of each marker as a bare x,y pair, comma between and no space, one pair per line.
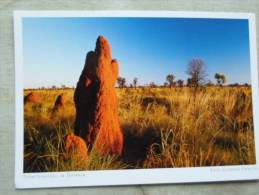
32,97
96,101
60,103
75,146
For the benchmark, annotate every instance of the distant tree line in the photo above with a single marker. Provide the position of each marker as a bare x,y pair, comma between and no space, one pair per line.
197,71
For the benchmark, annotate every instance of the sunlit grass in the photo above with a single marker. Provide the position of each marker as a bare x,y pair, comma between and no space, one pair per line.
162,127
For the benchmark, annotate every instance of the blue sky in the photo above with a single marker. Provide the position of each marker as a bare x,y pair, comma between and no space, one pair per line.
147,48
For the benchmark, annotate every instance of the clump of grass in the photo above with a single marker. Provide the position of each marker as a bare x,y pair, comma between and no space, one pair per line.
43,154
95,161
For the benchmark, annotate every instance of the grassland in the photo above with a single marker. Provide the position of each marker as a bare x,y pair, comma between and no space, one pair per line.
162,127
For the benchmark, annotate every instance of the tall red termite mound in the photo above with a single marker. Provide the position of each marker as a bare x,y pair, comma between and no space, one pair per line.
60,102
32,97
96,101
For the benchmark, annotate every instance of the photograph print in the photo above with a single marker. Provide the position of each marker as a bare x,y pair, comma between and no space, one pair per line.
141,93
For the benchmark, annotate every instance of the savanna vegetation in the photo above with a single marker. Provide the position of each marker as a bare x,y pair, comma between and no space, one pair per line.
162,127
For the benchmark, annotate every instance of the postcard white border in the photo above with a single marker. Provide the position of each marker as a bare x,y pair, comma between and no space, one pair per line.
136,176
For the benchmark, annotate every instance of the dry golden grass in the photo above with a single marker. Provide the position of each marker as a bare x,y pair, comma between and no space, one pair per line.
162,127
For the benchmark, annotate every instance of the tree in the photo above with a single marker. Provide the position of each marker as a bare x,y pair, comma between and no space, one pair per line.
153,85
121,82
209,83
190,82
135,81
180,82
165,84
198,71
170,78
234,85
221,79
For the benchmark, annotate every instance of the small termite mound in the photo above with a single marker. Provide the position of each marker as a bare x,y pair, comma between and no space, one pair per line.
74,147
60,103
32,97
